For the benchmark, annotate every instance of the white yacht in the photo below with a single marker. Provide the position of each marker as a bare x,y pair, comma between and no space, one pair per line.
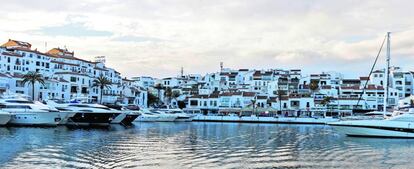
374,115
398,126
181,116
155,116
87,114
28,113
401,126
4,117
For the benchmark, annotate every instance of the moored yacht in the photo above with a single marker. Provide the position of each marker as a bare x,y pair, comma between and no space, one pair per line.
31,113
401,126
398,126
87,114
180,115
4,117
155,116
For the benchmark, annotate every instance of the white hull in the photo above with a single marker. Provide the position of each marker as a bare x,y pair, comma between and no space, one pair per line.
183,117
37,118
256,119
146,118
399,126
372,132
4,118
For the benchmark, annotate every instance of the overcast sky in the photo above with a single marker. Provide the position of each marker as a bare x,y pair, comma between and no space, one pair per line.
157,37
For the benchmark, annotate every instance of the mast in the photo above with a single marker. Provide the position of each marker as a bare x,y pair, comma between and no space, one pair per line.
387,68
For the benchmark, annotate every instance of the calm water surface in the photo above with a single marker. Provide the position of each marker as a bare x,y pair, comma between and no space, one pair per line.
199,145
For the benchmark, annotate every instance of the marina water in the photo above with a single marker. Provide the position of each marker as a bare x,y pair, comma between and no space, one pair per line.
199,145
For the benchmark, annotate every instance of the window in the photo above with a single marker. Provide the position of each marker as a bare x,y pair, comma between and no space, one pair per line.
37,63
193,103
73,79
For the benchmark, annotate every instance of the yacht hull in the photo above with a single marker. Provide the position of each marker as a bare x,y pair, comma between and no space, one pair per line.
125,118
144,118
91,119
37,118
183,119
129,119
375,128
4,118
374,132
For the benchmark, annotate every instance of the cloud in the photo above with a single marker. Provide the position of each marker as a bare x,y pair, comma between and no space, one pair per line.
137,39
157,37
72,29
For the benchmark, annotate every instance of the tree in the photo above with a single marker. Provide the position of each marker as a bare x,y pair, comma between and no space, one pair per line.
326,101
32,78
181,104
175,94
159,87
168,94
253,105
152,99
314,86
102,82
280,94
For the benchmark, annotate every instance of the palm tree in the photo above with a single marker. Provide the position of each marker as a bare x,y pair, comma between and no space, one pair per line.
326,101
280,94
253,105
102,82
32,78
152,99
314,86
175,94
168,94
159,87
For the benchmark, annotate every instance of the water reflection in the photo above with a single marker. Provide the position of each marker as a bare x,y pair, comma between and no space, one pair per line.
198,145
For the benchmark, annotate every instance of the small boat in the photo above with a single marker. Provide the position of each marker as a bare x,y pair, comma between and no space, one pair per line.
401,126
180,115
4,117
155,116
31,113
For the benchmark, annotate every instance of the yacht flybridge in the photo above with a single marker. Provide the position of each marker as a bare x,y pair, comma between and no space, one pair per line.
398,126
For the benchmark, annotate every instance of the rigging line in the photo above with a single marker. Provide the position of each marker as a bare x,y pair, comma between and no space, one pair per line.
372,68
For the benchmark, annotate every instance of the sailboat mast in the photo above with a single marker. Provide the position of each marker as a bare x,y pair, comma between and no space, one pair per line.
387,69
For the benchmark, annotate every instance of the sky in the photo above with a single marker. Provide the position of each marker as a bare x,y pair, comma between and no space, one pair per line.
158,37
